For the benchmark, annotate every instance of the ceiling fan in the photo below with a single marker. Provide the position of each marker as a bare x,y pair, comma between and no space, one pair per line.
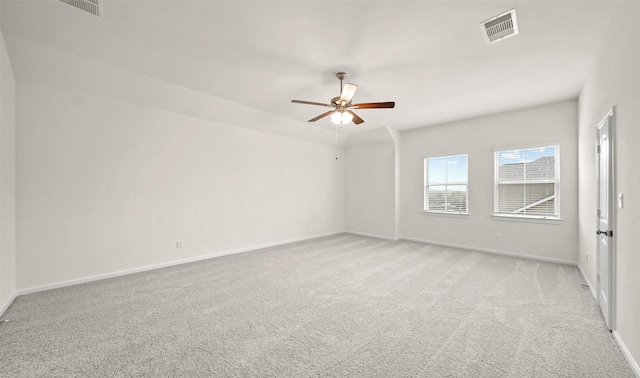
341,112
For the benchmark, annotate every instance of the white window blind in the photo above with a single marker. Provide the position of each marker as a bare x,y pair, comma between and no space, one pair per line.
527,182
446,184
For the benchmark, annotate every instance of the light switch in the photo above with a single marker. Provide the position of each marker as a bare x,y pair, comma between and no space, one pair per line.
620,200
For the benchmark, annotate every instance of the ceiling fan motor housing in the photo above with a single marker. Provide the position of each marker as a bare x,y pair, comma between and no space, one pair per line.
336,101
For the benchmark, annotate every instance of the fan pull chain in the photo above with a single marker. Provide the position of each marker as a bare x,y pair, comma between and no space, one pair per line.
336,142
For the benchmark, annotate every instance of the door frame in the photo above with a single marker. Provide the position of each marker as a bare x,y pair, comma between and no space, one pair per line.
612,205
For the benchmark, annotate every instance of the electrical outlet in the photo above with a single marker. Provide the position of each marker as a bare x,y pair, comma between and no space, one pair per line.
496,237
179,244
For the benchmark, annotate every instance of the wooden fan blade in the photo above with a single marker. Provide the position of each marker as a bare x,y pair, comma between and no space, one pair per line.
347,92
311,103
321,116
374,105
356,119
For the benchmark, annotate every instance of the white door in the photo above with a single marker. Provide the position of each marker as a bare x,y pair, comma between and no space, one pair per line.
604,231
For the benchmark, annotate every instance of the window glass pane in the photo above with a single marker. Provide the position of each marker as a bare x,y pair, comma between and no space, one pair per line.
457,169
456,198
532,199
438,170
511,165
540,199
437,197
510,198
540,164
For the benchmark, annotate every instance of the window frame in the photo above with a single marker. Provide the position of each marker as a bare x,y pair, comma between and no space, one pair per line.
557,185
425,207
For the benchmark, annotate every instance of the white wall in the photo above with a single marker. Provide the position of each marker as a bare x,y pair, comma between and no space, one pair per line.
614,80
7,181
556,123
397,140
370,189
106,186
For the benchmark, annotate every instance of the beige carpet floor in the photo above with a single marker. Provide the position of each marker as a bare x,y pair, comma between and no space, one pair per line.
339,306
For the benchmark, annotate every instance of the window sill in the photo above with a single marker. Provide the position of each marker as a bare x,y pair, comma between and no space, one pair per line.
520,218
446,213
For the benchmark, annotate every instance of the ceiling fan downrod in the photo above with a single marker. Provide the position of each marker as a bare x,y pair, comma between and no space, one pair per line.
341,76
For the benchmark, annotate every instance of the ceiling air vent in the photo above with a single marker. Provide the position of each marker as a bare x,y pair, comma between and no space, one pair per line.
91,6
500,27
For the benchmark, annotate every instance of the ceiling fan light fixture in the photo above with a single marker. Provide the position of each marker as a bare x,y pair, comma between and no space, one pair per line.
341,112
341,118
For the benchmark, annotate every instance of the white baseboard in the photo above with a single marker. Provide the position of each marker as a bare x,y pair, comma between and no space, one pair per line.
372,235
586,279
5,306
627,354
493,251
164,265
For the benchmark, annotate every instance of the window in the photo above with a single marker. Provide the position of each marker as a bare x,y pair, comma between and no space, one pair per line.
527,182
445,184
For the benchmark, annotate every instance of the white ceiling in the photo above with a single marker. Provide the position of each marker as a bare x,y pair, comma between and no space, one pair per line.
241,62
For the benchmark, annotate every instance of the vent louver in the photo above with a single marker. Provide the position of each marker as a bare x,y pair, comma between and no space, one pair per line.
500,27
90,6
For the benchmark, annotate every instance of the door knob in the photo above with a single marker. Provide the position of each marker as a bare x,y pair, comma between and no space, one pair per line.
605,233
